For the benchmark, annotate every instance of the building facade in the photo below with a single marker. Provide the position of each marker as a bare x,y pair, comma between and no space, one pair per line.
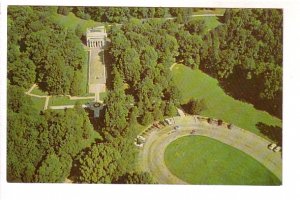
96,37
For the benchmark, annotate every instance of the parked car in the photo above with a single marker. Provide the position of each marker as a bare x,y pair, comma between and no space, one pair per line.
169,121
272,146
277,149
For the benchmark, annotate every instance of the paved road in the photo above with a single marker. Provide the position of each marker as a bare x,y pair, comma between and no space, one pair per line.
151,157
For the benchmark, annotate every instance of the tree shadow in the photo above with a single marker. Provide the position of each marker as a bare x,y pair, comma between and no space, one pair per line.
108,66
272,132
248,90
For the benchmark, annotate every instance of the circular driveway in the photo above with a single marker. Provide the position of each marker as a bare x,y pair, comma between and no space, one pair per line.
151,157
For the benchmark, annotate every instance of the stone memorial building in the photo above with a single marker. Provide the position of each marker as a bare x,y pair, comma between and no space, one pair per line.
96,37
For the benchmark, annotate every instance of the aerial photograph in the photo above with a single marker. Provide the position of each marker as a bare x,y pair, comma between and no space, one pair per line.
144,95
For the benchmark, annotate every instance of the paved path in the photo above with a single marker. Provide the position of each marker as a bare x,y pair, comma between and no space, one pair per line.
172,66
46,103
151,157
47,98
97,72
65,107
30,90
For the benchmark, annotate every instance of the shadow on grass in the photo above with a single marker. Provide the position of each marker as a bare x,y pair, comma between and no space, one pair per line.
248,90
272,132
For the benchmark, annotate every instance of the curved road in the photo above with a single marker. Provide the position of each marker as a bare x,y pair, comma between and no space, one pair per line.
151,157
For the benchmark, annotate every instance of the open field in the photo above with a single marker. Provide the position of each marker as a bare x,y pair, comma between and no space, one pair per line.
196,84
38,103
62,100
38,91
202,160
71,21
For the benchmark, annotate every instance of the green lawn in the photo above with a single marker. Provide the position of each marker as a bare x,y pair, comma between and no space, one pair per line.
62,100
71,21
85,76
38,91
211,22
203,11
196,84
102,95
38,103
202,160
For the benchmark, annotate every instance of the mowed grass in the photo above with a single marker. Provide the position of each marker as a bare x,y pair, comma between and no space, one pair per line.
38,103
85,72
38,91
219,11
196,84
202,160
71,21
62,100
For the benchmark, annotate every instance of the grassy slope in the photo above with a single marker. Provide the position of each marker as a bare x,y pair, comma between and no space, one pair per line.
190,160
196,84
71,21
211,22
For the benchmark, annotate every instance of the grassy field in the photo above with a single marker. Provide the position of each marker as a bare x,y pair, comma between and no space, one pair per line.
196,84
71,21
38,91
38,103
201,160
62,100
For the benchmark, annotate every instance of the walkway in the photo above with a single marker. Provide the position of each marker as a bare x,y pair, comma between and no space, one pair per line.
47,98
38,96
172,66
151,157
97,73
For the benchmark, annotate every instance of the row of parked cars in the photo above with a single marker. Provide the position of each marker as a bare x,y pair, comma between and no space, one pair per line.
140,139
219,122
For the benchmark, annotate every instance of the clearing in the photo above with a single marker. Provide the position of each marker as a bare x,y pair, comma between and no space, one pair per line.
196,84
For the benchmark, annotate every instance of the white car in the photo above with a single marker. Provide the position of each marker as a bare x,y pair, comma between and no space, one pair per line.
169,121
272,146
277,149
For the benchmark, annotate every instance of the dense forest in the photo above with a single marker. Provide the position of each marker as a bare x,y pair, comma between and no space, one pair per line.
244,53
43,52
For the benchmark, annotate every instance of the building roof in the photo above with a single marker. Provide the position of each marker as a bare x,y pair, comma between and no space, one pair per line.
96,32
